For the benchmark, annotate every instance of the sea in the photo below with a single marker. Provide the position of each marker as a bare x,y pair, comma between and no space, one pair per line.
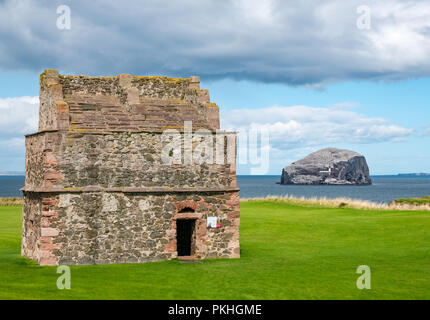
383,189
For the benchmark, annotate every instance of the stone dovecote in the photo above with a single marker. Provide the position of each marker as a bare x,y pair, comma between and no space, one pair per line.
97,190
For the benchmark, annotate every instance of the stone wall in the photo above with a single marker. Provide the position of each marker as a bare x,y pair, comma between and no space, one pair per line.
115,227
35,168
62,160
31,226
123,103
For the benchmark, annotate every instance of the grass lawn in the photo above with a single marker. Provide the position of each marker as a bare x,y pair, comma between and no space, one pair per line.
421,200
288,252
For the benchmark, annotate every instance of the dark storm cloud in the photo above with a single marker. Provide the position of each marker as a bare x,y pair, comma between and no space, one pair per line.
297,43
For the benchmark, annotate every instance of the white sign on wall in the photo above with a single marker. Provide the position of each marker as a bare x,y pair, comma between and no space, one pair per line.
211,222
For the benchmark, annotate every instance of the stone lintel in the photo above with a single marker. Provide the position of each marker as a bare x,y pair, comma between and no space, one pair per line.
128,190
123,131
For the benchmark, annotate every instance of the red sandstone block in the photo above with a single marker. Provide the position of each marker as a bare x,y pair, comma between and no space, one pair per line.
44,222
49,232
49,201
62,107
48,261
47,247
48,213
50,159
170,247
188,215
45,254
52,175
45,240
171,234
185,204
236,253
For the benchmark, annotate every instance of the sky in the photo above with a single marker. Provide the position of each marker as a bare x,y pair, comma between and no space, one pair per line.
314,74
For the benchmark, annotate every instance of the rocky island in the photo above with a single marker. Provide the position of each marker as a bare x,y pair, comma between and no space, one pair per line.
328,166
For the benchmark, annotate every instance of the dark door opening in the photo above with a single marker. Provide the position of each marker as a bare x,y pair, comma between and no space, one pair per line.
184,236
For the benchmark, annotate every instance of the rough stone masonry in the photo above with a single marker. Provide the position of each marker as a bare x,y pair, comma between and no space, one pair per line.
96,190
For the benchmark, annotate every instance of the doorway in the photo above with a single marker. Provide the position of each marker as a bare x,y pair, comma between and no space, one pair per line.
185,236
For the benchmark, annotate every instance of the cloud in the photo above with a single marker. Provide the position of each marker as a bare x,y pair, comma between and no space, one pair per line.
303,126
298,43
296,131
19,116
